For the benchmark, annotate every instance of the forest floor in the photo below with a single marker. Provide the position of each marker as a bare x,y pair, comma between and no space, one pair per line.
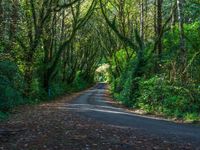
65,125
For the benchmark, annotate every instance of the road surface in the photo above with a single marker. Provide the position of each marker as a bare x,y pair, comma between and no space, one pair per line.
93,104
88,121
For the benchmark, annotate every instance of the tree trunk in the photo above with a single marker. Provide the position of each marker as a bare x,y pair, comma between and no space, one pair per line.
159,29
14,18
13,25
174,16
155,17
146,26
182,56
142,20
28,73
1,20
158,34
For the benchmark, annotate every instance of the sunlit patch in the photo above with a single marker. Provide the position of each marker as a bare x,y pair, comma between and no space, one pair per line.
88,108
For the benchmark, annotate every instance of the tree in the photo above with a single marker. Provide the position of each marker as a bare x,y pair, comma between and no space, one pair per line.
78,21
183,55
142,19
159,30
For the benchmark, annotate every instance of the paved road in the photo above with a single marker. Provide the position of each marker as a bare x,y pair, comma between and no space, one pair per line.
93,104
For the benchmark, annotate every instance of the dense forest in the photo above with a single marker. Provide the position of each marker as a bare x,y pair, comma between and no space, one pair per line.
147,50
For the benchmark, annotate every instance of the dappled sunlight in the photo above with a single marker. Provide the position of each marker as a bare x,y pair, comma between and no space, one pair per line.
100,110
82,106
104,110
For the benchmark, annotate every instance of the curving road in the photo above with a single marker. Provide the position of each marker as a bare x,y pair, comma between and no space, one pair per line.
93,104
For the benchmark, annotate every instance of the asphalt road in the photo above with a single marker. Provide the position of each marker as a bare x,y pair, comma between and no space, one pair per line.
93,104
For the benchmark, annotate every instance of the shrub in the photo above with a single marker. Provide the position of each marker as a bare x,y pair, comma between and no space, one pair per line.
81,81
159,95
10,85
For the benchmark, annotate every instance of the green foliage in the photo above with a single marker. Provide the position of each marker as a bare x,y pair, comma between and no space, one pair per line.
139,86
160,96
171,51
37,94
80,83
10,85
3,116
56,90
192,33
191,117
124,86
126,92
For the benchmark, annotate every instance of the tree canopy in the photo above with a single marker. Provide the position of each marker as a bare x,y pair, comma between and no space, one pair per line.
152,48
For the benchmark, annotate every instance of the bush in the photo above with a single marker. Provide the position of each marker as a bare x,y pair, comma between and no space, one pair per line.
81,81
10,85
159,95
3,116
126,92
57,89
